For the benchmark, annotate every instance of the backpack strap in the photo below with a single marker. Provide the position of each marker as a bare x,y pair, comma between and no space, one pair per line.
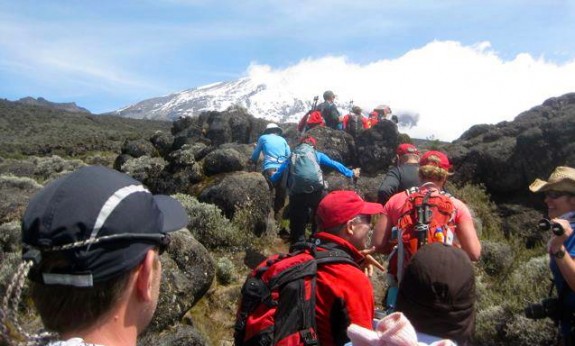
333,253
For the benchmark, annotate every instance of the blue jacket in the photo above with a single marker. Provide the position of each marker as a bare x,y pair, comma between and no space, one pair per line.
275,149
568,302
322,159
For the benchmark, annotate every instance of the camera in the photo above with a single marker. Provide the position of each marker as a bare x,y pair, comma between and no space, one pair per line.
545,225
548,307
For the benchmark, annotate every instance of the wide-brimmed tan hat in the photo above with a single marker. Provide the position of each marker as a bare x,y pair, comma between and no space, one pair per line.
562,179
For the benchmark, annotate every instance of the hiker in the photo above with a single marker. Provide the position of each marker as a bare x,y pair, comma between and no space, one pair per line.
403,175
559,192
329,111
437,294
378,114
306,184
355,121
276,151
311,295
91,246
400,232
344,293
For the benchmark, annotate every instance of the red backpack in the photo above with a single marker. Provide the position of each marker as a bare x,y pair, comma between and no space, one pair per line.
277,306
426,217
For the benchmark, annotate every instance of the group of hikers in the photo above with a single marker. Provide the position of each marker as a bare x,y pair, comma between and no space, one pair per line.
92,240
327,114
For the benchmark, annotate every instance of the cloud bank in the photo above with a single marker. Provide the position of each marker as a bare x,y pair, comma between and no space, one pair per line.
440,90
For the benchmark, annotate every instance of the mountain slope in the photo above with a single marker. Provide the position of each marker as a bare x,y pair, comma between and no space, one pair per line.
37,130
277,105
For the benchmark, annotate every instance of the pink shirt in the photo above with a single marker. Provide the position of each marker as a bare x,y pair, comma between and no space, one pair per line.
393,207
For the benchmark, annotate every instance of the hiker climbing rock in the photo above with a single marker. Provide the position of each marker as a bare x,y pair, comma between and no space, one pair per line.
275,150
329,111
403,175
354,122
306,184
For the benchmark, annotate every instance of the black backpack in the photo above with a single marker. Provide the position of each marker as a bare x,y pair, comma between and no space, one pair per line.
354,124
274,308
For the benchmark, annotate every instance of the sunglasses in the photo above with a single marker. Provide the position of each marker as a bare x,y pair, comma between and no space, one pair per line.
557,194
362,218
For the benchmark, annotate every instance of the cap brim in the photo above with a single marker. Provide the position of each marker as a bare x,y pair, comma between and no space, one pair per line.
175,216
371,208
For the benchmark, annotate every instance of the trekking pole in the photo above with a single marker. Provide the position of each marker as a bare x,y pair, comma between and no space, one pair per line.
314,103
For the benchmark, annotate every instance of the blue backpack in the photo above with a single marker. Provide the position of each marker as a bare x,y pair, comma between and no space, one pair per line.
305,174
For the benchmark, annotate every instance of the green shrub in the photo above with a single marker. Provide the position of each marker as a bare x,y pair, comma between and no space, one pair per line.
225,270
496,257
483,209
210,227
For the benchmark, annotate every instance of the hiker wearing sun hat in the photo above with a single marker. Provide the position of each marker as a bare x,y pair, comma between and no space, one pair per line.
559,192
403,175
275,150
344,293
91,246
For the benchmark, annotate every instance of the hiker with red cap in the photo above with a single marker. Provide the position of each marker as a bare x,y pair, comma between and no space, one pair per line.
422,215
305,183
403,175
343,292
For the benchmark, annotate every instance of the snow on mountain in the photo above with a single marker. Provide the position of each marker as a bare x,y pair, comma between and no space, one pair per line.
272,103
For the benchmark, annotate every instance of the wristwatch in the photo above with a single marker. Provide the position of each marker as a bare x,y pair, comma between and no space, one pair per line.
559,254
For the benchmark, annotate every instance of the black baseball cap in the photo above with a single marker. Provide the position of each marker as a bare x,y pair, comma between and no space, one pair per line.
102,222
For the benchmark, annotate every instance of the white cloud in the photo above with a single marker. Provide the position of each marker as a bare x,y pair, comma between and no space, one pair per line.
452,87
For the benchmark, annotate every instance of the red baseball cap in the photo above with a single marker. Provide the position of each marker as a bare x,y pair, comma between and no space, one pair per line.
435,158
308,140
406,148
338,207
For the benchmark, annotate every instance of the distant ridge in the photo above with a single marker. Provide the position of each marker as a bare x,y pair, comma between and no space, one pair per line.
42,102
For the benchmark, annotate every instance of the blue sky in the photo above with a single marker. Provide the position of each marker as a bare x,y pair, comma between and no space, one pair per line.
105,55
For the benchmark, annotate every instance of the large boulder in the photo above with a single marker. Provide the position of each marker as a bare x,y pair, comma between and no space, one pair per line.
508,156
376,147
223,161
338,145
187,274
246,191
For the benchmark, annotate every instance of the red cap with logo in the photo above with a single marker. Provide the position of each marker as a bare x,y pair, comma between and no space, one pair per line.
338,207
406,148
435,158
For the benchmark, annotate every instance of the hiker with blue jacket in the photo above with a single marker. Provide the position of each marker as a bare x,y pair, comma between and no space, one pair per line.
559,191
275,150
306,185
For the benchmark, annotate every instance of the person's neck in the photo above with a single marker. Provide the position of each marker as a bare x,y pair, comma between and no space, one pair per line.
438,185
110,331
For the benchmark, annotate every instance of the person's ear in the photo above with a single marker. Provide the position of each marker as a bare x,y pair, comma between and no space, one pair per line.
349,227
145,277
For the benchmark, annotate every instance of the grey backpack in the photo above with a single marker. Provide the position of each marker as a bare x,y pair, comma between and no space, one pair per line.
305,174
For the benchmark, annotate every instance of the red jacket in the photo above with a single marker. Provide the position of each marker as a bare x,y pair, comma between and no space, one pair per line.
344,295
